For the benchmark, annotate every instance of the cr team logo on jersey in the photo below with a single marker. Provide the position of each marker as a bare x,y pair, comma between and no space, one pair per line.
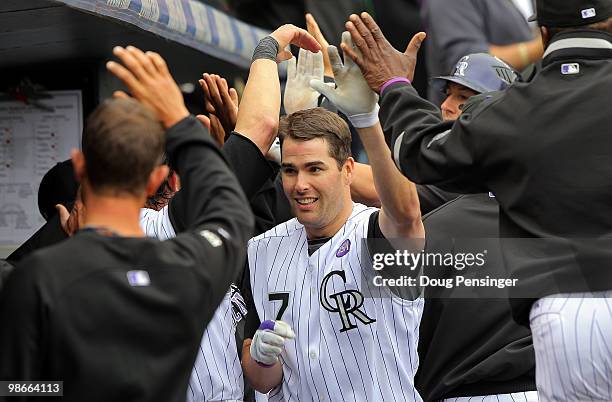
346,303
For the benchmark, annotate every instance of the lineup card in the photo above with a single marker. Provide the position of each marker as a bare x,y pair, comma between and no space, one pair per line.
32,141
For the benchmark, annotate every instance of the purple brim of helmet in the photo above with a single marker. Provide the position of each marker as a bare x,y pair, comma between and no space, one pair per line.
440,83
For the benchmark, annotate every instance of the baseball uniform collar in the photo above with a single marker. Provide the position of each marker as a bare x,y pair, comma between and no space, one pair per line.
581,39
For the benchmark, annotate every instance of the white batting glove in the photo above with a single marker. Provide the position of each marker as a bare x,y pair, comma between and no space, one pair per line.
298,93
352,95
269,341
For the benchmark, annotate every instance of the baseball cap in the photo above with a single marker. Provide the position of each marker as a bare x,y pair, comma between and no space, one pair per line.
571,13
479,72
58,186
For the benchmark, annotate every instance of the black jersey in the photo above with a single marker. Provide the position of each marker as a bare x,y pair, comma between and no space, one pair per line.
544,148
120,319
469,347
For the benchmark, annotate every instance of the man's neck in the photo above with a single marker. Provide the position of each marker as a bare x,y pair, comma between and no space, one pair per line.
333,228
120,215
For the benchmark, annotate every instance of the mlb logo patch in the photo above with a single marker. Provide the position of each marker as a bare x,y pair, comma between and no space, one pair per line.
588,13
138,278
570,68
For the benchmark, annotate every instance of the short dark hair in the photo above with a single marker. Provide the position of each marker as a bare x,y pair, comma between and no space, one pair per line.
123,141
314,123
605,25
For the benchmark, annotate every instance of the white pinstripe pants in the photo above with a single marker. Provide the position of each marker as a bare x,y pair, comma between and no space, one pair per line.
572,339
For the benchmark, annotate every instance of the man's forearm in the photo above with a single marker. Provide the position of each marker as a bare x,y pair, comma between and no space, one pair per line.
262,379
211,193
260,105
398,195
362,186
519,55
426,149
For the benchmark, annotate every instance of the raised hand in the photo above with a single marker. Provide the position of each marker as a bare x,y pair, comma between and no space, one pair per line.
147,78
379,61
352,95
221,102
298,93
291,35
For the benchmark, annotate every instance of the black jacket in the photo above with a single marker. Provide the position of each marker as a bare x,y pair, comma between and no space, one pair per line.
470,346
544,148
121,318
259,180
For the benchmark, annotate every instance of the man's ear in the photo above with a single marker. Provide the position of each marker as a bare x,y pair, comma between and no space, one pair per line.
174,181
349,169
156,178
545,36
78,164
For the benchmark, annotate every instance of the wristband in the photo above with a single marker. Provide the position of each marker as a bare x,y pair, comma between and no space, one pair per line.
267,324
365,120
267,48
263,364
393,81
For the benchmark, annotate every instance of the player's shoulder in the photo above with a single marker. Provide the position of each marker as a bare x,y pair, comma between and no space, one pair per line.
361,211
287,229
360,215
57,260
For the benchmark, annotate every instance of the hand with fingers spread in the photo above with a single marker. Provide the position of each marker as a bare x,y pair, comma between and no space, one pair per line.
221,102
379,61
313,28
298,93
269,341
352,96
147,78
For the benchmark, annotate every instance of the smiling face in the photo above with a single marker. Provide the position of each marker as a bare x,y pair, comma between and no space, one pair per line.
317,188
456,96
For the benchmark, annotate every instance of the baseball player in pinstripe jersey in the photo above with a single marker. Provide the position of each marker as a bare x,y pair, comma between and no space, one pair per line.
325,332
216,375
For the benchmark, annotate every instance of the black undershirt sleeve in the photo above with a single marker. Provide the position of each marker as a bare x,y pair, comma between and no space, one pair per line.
252,321
253,172
216,216
378,244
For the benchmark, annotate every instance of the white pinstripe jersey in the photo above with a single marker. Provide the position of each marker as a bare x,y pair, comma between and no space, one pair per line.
343,350
217,373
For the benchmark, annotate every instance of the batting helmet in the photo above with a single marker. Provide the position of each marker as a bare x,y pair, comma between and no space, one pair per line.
479,72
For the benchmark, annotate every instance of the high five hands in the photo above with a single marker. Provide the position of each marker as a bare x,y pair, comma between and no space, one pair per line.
379,61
